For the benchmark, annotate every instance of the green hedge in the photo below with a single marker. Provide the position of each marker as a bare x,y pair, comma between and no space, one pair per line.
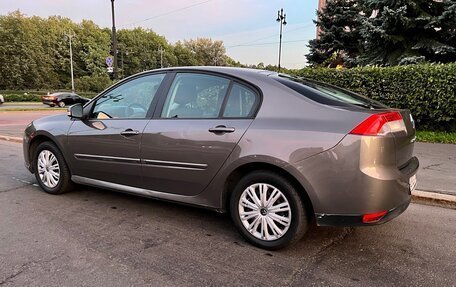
33,96
428,91
21,98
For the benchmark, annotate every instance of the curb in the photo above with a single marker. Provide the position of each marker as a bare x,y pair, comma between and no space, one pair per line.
11,139
436,198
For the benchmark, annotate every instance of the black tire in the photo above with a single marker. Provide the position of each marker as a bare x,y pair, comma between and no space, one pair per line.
299,222
62,104
64,182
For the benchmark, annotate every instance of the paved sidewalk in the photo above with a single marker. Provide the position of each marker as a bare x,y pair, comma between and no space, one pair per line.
437,167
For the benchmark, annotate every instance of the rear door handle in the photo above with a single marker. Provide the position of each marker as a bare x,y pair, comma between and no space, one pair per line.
129,132
221,130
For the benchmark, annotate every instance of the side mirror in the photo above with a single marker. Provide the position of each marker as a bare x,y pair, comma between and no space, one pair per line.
75,111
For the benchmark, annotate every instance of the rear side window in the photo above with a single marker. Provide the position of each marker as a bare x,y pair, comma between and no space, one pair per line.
195,96
327,94
241,102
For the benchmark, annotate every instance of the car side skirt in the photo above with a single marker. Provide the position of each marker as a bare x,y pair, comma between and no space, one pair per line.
188,200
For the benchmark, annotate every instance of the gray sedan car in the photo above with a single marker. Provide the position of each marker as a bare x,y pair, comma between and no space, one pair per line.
272,150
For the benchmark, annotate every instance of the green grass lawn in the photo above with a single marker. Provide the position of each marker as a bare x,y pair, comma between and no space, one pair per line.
436,137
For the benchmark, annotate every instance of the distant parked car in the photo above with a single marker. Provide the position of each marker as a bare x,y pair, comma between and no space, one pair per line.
2,100
63,99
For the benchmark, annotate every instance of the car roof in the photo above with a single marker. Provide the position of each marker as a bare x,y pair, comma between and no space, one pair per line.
232,71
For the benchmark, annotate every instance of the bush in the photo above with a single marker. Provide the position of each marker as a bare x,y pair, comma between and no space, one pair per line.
93,83
35,96
428,90
22,98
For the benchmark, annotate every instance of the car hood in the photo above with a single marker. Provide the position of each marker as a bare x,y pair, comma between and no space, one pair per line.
55,125
52,118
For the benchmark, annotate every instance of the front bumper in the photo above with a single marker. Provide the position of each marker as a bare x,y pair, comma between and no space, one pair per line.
28,135
49,103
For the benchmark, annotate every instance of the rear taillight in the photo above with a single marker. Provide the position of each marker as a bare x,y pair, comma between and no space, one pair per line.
374,217
380,124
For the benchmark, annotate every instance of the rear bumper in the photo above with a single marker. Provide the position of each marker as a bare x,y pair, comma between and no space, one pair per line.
357,220
357,177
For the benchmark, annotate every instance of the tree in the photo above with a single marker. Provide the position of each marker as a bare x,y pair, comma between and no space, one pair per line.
207,52
140,50
340,38
23,61
184,56
408,31
385,32
34,53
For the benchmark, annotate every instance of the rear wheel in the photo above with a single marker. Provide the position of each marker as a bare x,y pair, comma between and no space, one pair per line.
61,104
268,211
51,171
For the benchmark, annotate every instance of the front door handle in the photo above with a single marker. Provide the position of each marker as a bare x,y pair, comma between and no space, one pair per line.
221,130
129,132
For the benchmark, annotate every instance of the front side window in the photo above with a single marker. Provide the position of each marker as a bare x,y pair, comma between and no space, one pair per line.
195,96
130,100
241,102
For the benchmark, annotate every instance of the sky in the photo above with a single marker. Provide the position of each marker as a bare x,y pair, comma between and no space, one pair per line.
248,28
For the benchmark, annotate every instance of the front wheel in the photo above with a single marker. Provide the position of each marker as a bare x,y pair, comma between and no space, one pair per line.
51,171
268,211
61,104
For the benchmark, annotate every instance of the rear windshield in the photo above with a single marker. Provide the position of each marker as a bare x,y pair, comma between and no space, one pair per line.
327,94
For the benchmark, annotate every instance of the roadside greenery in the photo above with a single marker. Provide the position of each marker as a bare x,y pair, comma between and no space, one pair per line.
428,91
34,53
384,32
436,137
31,109
33,96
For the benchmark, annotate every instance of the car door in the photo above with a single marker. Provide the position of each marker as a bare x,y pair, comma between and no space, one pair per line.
105,146
194,130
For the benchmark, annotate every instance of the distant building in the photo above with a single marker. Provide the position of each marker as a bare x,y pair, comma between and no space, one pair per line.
321,5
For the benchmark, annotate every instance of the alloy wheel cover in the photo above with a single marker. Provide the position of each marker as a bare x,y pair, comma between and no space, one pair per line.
264,211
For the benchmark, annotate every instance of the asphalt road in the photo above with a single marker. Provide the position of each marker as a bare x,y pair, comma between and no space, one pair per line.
13,123
23,105
92,237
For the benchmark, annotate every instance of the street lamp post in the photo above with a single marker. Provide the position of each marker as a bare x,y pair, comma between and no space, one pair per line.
281,18
114,41
70,36
161,56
